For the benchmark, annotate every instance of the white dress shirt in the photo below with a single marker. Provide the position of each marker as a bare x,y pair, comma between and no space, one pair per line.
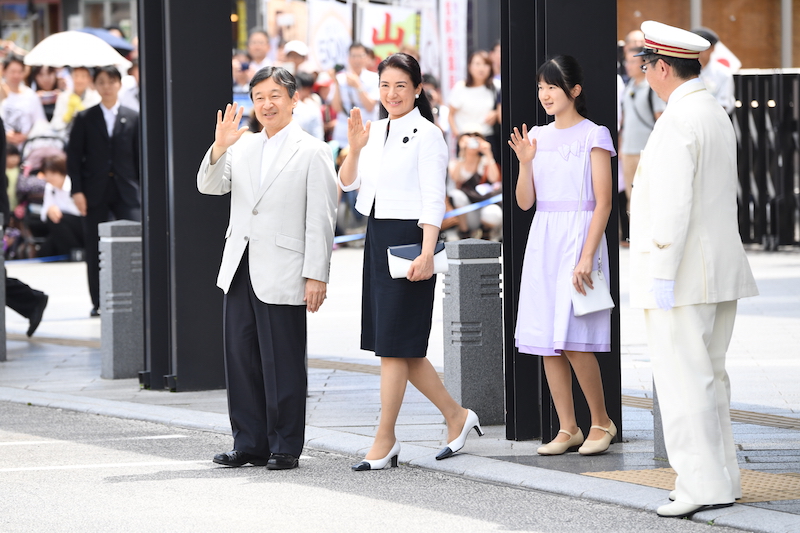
110,115
59,197
272,146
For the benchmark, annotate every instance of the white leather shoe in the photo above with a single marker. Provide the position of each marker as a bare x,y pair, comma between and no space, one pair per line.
672,495
557,448
593,447
379,464
452,447
685,510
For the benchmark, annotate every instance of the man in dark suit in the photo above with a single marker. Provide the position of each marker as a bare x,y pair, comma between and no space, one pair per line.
20,297
103,163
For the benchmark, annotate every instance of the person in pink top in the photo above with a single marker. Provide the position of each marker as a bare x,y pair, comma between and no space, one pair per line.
559,164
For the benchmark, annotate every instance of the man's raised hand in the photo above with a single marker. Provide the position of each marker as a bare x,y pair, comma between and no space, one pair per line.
227,131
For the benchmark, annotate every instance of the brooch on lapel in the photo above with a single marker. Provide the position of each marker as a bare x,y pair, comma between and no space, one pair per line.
123,120
406,139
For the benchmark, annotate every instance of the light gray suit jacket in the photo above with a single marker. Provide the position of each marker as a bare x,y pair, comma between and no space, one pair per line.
684,223
286,222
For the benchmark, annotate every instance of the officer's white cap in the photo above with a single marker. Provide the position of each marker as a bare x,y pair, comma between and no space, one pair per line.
670,41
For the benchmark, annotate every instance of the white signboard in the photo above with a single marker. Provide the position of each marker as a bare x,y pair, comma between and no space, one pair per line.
429,48
453,23
330,30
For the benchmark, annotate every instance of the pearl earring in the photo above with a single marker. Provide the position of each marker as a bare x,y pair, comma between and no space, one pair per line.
416,96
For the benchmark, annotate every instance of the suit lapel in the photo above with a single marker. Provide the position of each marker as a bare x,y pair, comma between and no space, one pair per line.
290,146
100,121
121,121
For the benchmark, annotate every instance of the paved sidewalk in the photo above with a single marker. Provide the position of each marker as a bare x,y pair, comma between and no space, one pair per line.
343,406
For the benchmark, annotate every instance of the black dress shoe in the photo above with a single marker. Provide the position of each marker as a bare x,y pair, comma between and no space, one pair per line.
36,316
94,313
282,461
237,458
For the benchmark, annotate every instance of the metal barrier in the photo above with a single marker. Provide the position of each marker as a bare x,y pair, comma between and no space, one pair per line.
767,125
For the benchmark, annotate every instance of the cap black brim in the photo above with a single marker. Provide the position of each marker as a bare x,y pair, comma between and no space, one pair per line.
646,52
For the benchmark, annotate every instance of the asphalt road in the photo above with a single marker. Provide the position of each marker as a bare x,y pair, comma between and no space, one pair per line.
62,471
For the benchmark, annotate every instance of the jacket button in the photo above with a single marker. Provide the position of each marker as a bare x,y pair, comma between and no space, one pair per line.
255,211
246,238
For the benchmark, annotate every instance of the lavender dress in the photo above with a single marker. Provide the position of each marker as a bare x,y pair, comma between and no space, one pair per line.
545,322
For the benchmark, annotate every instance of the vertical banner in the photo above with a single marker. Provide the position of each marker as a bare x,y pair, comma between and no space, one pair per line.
386,28
330,32
430,59
453,21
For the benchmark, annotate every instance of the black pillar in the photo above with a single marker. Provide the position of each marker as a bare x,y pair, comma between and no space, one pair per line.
185,68
532,32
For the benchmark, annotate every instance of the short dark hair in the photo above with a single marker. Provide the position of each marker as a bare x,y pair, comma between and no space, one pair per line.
258,30
54,163
684,68
88,70
430,79
13,58
356,44
110,71
279,75
304,80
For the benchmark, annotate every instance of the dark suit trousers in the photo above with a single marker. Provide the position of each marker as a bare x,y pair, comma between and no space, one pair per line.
265,352
21,297
112,209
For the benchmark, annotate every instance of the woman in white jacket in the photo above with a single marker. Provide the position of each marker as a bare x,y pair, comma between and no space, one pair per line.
400,165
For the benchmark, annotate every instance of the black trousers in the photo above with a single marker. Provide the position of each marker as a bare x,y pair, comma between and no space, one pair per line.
113,208
21,297
265,370
63,237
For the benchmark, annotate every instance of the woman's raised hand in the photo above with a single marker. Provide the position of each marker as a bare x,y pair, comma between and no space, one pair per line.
357,132
228,131
523,147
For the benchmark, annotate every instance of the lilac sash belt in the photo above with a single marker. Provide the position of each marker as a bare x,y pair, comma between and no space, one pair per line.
588,205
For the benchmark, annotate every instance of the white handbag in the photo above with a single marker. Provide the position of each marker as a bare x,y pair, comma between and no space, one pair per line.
599,298
401,257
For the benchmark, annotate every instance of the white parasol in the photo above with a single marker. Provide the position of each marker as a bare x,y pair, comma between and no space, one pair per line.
75,49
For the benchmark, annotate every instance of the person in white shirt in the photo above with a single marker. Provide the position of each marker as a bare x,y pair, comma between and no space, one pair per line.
258,49
308,113
717,78
21,109
399,166
473,102
355,87
59,213
69,103
129,93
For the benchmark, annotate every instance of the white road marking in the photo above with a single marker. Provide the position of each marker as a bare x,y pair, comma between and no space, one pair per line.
108,465
37,442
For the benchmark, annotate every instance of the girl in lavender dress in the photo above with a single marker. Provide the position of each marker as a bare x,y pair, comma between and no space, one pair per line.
556,161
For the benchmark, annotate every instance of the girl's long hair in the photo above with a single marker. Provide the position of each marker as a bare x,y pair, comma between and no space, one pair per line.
565,72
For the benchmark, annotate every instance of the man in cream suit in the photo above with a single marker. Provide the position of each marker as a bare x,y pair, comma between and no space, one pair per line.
275,266
688,269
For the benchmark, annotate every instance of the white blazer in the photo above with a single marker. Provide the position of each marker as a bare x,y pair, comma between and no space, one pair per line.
403,177
684,222
286,222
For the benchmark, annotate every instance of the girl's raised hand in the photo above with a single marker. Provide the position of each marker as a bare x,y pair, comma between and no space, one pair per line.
357,132
523,147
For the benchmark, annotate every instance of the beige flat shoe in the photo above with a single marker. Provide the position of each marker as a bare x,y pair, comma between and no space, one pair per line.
557,448
593,447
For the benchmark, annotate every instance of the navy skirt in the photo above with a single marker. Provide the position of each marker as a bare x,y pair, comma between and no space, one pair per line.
396,314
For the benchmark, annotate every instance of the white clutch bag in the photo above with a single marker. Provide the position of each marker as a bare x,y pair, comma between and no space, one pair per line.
400,258
597,299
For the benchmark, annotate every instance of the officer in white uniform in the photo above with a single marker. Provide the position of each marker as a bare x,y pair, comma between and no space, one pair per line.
688,269
717,78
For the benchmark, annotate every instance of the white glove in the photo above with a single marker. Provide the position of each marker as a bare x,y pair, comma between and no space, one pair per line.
664,292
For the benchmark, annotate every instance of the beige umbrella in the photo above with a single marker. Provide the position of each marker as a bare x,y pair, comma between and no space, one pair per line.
75,49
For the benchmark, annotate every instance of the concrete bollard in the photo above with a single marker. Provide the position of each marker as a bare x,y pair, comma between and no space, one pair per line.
473,328
121,300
